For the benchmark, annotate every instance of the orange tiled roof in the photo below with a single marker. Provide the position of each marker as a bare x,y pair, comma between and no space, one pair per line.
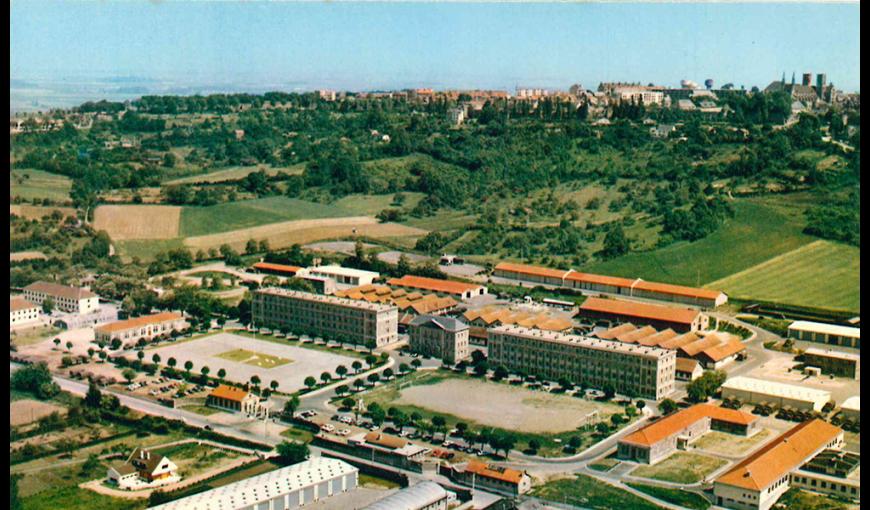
641,310
723,350
678,290
531,270
615,281
64,291
679,421
686,364
679,341
229,393
780,456
658,338
700,345
433,284
633,337
138,322
504,474
615,332
282,268
19,303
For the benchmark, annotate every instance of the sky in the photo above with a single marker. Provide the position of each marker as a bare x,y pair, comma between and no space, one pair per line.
370,46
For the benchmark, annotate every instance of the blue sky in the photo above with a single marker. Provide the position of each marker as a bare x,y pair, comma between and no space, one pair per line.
361,46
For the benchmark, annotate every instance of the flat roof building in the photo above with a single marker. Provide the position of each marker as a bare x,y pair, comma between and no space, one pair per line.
456,289
680,320
658,440
825,333
345,277
332,317
66,298
312,480
639,370
833,362
760,479
750,390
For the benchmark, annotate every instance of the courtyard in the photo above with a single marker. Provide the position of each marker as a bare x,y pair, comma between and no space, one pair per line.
243,357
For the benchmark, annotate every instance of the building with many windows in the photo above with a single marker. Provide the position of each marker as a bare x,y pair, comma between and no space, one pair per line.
234,399
147,327
631,369
658,440
439,337
825,333
345,277
315,479
65,298
331,317
22,311
760,479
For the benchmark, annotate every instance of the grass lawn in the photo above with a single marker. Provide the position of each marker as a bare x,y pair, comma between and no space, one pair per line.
371,205
588,492
794,278
761,228
298,434
193,459
681,467
145,249
201,409
74,498
604,465
254,358
212,274
730,444
30,183
675,496
796,499
228,216
34,335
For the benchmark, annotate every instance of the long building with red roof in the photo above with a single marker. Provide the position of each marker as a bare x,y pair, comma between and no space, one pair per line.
658,440
453,288
760,479
632,287
681,320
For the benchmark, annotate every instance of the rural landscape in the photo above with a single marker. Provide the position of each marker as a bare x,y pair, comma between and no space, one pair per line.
435,297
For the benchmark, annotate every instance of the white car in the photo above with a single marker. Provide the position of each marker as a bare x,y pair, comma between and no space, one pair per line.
327,427
344,432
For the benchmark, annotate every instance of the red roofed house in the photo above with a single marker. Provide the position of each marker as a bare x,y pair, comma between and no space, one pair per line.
147,326
688,369
658,440
491,477
532,274
680,320
760,479
234,399
449,287
22,311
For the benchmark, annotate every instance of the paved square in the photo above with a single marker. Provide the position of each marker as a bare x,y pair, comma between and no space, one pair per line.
301,362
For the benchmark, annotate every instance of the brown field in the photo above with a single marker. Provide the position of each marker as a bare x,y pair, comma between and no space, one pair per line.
22,412
284,234
138,221
26,255
37,212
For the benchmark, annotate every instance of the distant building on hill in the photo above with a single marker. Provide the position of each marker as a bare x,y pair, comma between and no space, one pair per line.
66,298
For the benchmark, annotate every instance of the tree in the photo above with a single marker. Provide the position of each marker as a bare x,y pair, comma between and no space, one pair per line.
348,403
388,373
140,355
311,382
609,390
14,498
91,352
377,415
404,265
356,365
404,368
371,360
341,370
416,362
481,368
325,377
291,406
575,442
69,346
565,383
500,373
188,365
251,247
56,342
255,380
93,398
290,452
616,419
48,305
341,389
631,411
273,385
461,427
221,373
640,404
602,428
204,370
359,383
667,406
373,378
116,344
129,374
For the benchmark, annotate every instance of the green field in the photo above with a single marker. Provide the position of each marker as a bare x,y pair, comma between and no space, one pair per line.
796,499
235,173
680,467
675,496
256,359
29,184
760,229
821,274
145,249
588,492
75,498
